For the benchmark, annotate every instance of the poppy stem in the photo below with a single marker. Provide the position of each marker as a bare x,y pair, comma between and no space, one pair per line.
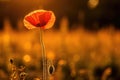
44,56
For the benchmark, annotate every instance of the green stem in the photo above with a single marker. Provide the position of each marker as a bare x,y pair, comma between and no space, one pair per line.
44,57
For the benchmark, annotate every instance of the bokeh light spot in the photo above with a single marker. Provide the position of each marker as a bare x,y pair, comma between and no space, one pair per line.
50,55
27,58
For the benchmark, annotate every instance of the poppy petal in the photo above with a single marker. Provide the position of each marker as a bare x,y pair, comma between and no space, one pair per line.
39,18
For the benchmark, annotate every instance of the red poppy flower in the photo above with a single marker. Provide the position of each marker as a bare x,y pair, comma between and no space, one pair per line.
39,18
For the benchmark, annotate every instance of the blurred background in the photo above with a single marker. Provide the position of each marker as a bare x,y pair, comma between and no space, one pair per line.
84,43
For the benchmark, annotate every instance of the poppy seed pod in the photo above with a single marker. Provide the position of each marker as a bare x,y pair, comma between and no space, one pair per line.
39,19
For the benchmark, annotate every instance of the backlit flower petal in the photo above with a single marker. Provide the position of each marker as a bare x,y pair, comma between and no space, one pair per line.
39,18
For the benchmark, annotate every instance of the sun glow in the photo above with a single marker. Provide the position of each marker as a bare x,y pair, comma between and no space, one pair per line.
93,3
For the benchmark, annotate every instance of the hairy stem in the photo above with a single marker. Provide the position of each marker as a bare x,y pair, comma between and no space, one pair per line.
44,57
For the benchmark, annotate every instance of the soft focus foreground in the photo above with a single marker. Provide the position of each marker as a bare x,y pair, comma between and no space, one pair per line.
77,54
